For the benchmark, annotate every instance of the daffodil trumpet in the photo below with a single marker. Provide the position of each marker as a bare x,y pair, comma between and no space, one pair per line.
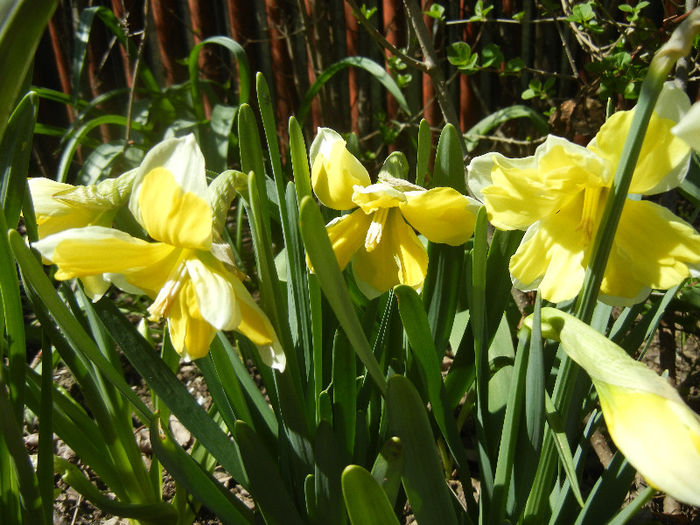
190,277
378,236
646,418
558,195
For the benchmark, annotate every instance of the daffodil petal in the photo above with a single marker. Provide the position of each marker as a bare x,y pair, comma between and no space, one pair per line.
215,291
347,234
170,197
647,419
399,258
190,334
95,286
688,129
256,326
673,102
551,257
335,171
53,215
95,250
663,159
441,214
526,190
652,249
375,196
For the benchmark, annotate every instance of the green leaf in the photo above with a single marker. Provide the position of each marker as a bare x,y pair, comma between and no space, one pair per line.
344,391
196,480
266,484
497,118
243,70
328,467
374,69
171,390
387,468
423,151
422,478
365,501
319,250
21,27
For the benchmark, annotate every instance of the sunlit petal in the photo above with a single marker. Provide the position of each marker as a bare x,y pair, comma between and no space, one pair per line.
190,334
646,418
551,257
663,159
399,258
375,196
688,129
52,215
95,250
347,234
256,326
170,197
526,190
442,214
652,248
216,296
335,171
95,286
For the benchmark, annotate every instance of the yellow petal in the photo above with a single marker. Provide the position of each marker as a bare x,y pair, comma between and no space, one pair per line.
170,197
649,422
551,257
399,258
347,234
663,159
216,296
190,334
95,286
652,249
334,171
524,191
95,250
658,436
256,326
375,196
442,214
52,215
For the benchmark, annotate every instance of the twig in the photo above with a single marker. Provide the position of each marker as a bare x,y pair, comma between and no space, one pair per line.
137,66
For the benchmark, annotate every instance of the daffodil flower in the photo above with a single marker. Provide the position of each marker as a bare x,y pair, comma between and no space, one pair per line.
558,196
59,206
378,236
190,278
688,128
646,418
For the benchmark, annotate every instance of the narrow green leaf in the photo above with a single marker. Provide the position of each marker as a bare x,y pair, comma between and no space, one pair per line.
495,119
449,167
374,69
562,444
45,464
423,152
196,480
243,70
171,390
423,478
15,150
365,501
152,512
21,29
327,473
266,485
634,506
344,391
387,468
319,250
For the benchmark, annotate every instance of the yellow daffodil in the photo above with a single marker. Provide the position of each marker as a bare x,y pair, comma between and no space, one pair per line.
558,196
688,128
378,236
646,418
190,278
59,206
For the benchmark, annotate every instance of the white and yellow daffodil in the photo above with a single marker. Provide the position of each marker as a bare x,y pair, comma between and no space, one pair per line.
688,128
59,206
646,418
189,277
378,237
558,196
